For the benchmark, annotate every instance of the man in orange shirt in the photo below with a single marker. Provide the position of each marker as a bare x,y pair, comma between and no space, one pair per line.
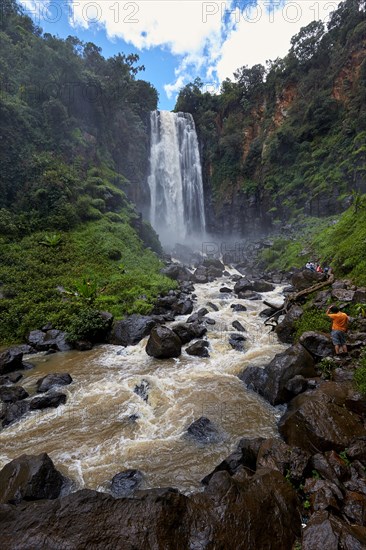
339,328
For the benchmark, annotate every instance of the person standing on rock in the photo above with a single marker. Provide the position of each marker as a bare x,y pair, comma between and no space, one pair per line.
339,329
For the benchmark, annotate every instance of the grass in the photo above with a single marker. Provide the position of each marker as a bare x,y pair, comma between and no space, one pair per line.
108,255
339,241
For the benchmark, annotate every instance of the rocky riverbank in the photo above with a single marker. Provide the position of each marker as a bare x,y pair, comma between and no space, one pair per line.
307,486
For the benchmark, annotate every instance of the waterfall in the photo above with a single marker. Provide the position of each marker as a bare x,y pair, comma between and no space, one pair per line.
175,180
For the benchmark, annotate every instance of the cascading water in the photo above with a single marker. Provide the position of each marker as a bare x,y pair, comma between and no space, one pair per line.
105,427
175,180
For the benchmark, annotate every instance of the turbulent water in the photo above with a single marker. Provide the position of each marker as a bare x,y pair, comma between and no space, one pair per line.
175,180
91,437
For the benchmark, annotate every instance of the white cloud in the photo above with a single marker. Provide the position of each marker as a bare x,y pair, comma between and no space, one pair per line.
211,39
261,34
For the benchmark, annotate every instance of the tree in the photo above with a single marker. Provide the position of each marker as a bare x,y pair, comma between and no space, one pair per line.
305,43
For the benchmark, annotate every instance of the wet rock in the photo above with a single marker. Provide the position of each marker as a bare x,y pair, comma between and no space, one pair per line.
297,385
284,366
330,466
52,339
213,262
142,389
199,349
198,315
14,411
238,307
225,289
354,507
212,306
132,330
328,532
255,378
209,321
11,378
285,330
29,477
12,394
244,456
189,331
239,507
125,483
357,450
275,454
343,295
360,296
163,343
317,343
249,295
238,326
323,494
237,341
214,273
255,286
183,307
315,424
200,275
306,278
268,312
51,380
177,272
52,400
83,345
203,431
10,360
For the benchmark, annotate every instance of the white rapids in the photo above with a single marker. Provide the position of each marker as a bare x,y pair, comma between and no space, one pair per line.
92,437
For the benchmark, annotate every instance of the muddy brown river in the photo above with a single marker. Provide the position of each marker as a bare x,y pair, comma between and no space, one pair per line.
92,437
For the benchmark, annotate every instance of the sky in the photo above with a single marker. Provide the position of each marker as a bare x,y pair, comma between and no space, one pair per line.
179,40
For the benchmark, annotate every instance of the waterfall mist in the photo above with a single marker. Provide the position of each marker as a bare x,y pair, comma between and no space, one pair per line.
175,180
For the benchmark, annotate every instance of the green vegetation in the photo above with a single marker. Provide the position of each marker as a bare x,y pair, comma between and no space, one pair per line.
55,284
337,241
312,319
326,367
290,137
73,155
360,374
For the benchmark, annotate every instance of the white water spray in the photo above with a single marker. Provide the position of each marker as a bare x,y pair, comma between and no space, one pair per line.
175,180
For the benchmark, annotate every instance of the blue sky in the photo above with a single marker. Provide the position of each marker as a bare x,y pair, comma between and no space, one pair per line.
178,40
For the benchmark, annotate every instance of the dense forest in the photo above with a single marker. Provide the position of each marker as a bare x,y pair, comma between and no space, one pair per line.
287,140
280,145
73,154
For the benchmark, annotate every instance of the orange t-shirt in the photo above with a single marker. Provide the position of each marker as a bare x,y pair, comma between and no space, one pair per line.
339,321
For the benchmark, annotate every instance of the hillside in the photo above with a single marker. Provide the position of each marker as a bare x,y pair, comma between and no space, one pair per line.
73,154
287,140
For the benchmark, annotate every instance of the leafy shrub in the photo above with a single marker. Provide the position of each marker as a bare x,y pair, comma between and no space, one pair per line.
360,374
86,325
312,320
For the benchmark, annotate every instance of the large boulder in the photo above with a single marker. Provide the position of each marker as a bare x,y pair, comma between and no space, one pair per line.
275,454
29,477
51,380
163,343
177,272
285,330
272,383
306,278
47,340
256,286
189,331
132,330
201,275
343,295
11,412
314,423
328,532
10,360
317,343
